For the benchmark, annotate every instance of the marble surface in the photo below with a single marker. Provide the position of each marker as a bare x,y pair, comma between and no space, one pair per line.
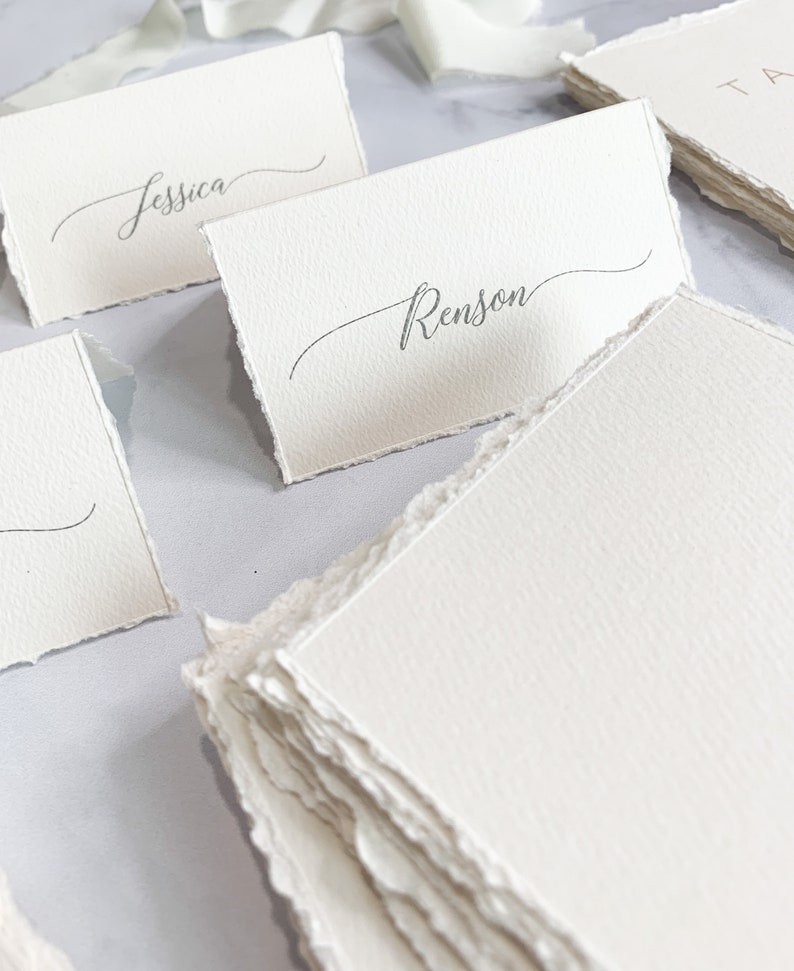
118,829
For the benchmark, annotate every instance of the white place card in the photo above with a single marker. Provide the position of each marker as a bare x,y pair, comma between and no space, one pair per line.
722,84
419,301
102,195
75,557
577,655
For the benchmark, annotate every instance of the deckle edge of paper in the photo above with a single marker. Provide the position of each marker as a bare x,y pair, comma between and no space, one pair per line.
655,31
593,94
204,677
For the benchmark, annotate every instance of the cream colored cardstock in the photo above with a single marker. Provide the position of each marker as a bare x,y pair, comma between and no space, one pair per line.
419,301
578,650
102,195
75,557
722,84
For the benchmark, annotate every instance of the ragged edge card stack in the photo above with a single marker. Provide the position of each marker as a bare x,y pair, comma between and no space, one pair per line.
720,83
540,722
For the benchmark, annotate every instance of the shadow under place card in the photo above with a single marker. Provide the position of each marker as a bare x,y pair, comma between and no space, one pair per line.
375,315
102,195
592,718
722,85
75,557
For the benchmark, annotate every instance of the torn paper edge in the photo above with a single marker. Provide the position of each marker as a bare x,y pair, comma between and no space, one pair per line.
105,366
507,921
593,94
440,922
285,877
349,574
21,948
669,26
662,152
213,679
664,159
732,195
14,256
445,927
337,51
89,349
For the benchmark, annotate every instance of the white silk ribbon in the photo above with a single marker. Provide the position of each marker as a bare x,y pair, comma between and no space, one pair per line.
486,37
230,18
149,43
455,36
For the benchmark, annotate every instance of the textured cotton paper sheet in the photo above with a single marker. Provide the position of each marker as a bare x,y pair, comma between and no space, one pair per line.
629,776
102,195
416,302
21,949
722,84
75,557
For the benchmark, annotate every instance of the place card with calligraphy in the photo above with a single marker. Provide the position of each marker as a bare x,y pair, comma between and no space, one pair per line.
722,85
75,557
102,195
378,314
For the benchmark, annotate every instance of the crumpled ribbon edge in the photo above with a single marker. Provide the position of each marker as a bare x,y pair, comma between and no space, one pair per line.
478,37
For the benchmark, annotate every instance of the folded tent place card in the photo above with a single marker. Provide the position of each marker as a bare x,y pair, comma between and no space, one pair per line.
722,84
416,302
75,557
619,529
102,195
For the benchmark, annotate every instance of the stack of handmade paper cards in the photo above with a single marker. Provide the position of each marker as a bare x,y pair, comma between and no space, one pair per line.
722,84
542,721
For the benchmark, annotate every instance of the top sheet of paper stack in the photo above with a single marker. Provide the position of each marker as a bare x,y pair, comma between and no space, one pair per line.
554,698
722,84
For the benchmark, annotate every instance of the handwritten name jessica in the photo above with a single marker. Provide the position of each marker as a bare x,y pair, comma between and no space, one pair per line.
169,199
426,313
